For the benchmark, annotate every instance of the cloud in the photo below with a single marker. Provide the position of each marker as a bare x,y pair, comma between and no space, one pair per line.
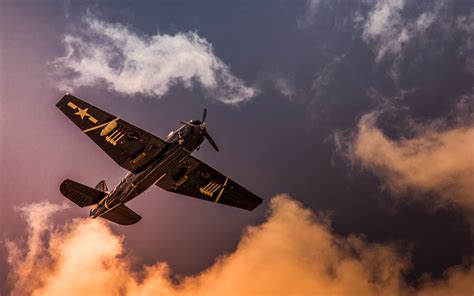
294,252
465,24
285,87
393,26
437,162
33,258
307,19
464,110
326,76
319,87
384,15
388,31
109,54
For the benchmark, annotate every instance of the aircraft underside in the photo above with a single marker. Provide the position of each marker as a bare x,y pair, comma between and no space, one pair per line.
150,160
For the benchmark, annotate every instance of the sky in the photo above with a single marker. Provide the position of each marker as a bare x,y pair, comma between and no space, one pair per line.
353,120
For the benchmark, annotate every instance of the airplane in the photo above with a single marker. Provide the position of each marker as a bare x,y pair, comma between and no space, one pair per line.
150,160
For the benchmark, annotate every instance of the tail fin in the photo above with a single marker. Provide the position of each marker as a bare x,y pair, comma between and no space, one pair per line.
102,186
81,195
122,215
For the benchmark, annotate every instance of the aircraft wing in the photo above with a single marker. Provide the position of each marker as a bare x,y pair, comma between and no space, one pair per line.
194,178
129,146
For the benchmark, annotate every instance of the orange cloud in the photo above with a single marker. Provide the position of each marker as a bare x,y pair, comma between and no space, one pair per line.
294,252
437,160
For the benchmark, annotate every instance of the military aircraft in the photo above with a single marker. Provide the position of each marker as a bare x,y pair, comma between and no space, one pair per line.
150,160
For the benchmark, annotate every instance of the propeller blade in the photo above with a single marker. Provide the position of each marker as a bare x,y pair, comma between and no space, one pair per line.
204,113
208,137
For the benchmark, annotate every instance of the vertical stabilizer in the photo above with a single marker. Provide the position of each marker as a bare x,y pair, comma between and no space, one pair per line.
102,186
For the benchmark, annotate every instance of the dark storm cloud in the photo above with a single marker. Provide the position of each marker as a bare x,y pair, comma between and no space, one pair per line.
294,252
126,62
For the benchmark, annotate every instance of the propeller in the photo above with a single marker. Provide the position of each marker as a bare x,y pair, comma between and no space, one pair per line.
202,126
204,113
211,141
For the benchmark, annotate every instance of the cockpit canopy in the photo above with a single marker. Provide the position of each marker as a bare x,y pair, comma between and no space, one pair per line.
195,122
174,136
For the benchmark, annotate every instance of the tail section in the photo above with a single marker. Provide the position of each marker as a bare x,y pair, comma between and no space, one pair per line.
84,196
102,186
81,195
122,215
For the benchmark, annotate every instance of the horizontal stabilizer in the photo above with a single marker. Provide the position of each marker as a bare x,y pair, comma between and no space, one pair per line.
122,215
81,195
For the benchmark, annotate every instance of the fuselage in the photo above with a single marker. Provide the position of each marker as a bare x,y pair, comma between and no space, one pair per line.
181,143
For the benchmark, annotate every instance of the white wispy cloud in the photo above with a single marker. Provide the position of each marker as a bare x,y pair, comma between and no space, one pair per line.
285,87
325,76
113,55
307,19
465,23
391,26
386,28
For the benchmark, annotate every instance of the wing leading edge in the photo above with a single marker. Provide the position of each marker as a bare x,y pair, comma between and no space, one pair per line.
129,146
194,178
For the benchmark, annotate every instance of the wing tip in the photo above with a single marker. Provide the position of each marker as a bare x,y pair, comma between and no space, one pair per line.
64,97
63,188
255,204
